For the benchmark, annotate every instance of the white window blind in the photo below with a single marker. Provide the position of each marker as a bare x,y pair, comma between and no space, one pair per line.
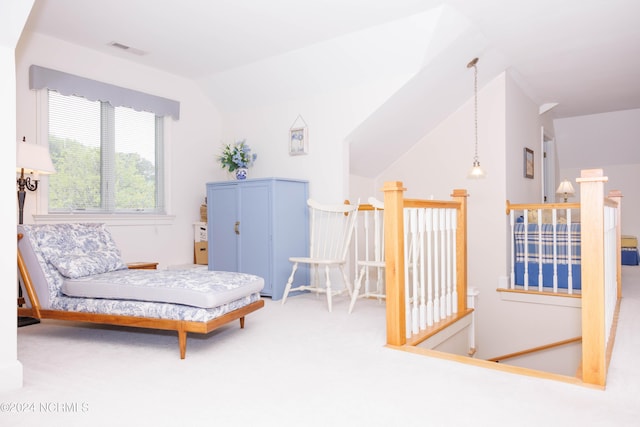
108,159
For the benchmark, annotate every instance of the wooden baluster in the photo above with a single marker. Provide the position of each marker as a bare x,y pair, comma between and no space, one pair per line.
454,251
430,285
423,250
377,248
540,284
569,255
415,328
512,224
616,196
448,261
555,250
443,265
526,249
407,281
367,232
436,266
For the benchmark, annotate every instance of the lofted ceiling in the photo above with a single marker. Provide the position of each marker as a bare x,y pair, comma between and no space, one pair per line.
583,55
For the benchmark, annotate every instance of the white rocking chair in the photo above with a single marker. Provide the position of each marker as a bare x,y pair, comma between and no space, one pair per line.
370,256
331,230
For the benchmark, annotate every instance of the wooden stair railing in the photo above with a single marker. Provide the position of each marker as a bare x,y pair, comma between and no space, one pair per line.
535,349
601,282
394,237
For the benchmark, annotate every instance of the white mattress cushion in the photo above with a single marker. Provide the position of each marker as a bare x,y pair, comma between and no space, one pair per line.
197,288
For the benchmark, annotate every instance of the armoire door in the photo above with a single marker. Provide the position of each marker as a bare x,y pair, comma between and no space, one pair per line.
254,247
222,204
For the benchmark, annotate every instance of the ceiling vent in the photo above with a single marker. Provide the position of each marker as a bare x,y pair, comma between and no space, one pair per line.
126,48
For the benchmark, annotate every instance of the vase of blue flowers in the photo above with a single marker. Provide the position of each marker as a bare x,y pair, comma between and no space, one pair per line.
237,158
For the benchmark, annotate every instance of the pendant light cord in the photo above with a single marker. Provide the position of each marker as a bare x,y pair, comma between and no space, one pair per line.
476,171
475,113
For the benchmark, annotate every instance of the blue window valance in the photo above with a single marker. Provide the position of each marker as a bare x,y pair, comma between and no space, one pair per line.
69,84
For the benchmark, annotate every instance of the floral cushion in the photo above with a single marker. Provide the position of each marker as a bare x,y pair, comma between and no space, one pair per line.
78,250
75,266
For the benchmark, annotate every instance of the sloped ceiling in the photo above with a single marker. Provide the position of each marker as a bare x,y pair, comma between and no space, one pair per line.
368,55
437,89
198,38
582,54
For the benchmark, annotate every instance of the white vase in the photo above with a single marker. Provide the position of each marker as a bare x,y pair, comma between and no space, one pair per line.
241,173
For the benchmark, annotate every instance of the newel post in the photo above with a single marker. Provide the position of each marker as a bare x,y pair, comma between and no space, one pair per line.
461,248
394,260
593,293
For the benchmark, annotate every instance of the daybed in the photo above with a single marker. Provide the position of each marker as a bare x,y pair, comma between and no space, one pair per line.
75,272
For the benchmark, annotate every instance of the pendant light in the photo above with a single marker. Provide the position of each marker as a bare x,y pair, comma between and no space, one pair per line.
476,171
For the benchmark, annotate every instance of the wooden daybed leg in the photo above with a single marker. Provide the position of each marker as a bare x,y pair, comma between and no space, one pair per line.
242,322
182,342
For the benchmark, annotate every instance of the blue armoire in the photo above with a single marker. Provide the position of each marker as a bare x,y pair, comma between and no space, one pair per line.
255,225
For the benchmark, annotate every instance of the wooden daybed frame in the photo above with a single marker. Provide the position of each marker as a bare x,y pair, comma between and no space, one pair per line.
182,327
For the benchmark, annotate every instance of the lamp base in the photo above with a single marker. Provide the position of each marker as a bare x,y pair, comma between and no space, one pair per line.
26,321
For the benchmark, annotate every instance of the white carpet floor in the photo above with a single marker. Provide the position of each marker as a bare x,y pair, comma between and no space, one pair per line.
298,365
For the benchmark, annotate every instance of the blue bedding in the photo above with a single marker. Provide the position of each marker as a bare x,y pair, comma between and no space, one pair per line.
630,256
541,243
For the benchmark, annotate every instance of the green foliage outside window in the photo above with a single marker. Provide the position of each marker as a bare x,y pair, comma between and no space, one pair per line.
76,183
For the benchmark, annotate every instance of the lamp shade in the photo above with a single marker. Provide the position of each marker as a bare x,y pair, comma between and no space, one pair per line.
476,171
565,188
33,158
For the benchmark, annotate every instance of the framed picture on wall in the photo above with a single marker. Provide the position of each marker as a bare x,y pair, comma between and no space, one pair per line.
298,141
528,163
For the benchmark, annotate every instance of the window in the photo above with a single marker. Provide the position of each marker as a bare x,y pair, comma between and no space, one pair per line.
107,159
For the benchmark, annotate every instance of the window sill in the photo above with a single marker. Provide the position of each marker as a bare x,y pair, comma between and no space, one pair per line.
109,219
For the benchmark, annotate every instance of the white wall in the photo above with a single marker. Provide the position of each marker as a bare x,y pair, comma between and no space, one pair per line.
191,155
506,326
607,141
361,188
597,140
508,121
266,130
12,19
523,129
334,86
439,163
621,177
